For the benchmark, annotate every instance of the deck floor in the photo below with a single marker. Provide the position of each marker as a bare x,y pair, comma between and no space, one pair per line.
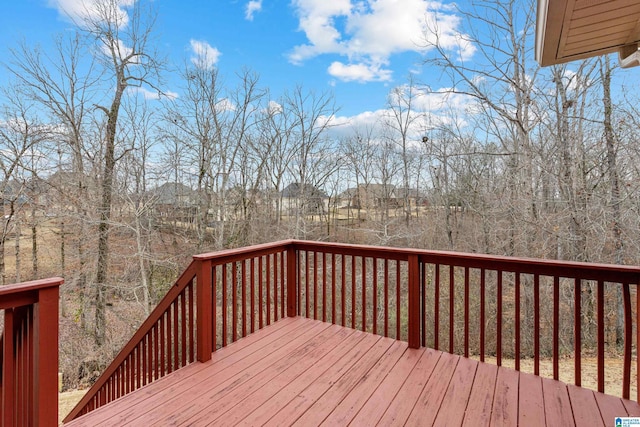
305,372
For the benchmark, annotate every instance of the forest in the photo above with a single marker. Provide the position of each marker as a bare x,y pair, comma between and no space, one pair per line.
113,182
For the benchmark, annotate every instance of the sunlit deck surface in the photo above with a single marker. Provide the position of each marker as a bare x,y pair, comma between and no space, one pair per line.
306,372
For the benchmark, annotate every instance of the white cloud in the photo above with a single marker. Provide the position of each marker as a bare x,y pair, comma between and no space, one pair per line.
204,55
359,72
252,7
368,32
152,95
78,10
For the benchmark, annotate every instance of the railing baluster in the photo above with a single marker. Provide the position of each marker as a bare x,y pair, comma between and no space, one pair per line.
452,317
260,295
315,285
324,286
333,288
466,312
517,325
243,283
180,330
268,274
375,295
577,334
223,286
556,327
483,281
499,319
386,297
363,261
436,308
214,308
306,285
628,337
234,301
600,319
252,280
398,306
343,297
283,301
536,324
353,292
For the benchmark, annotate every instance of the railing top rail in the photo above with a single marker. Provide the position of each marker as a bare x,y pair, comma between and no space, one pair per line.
228,255
30,286
568,269
25,293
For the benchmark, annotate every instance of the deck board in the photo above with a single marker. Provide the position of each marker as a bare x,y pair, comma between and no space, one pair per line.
305,372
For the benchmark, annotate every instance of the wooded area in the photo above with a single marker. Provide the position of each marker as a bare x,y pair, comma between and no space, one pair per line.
111,181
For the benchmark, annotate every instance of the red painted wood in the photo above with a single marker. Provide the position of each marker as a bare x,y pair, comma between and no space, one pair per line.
348,407
252,295
482,312
536,324
292,283
343,295
333,289
268,274
600,326
557,406
401,406
478,411
203,305
324,286
433,393
466,312
214,310
610,408
307,298
458,394
340,389
375,295
353,292
414,302
577,332
531,402
315,285
363,264
556,327
452,317
585,412
398,304
505,398
382,396
517,303
436,308
234,300
386,298
260,294
243,297
8,368
628,342
225,305
499,298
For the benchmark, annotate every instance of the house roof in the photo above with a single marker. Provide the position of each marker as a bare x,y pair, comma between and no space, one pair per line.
576,29
296,189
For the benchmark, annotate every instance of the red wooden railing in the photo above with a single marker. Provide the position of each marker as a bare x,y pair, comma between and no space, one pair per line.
443,300
29,353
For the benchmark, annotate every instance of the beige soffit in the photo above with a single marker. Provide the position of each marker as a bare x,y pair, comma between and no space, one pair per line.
577,29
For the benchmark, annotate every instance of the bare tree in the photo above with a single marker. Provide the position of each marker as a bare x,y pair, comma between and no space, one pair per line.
124,38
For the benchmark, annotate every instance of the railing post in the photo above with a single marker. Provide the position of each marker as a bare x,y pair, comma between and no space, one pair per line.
203,310
292,277
45,373
414,301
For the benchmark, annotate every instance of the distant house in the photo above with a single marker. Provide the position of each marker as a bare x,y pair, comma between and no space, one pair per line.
306,198
375,196
175,201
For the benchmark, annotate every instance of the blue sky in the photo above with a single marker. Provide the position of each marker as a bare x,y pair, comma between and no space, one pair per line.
357,50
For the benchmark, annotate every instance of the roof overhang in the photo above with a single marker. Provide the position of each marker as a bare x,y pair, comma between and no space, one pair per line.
567,30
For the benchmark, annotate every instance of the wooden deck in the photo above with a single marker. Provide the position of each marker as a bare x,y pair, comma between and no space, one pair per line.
304,372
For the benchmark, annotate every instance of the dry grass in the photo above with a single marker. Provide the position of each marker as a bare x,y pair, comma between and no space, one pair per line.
66,402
